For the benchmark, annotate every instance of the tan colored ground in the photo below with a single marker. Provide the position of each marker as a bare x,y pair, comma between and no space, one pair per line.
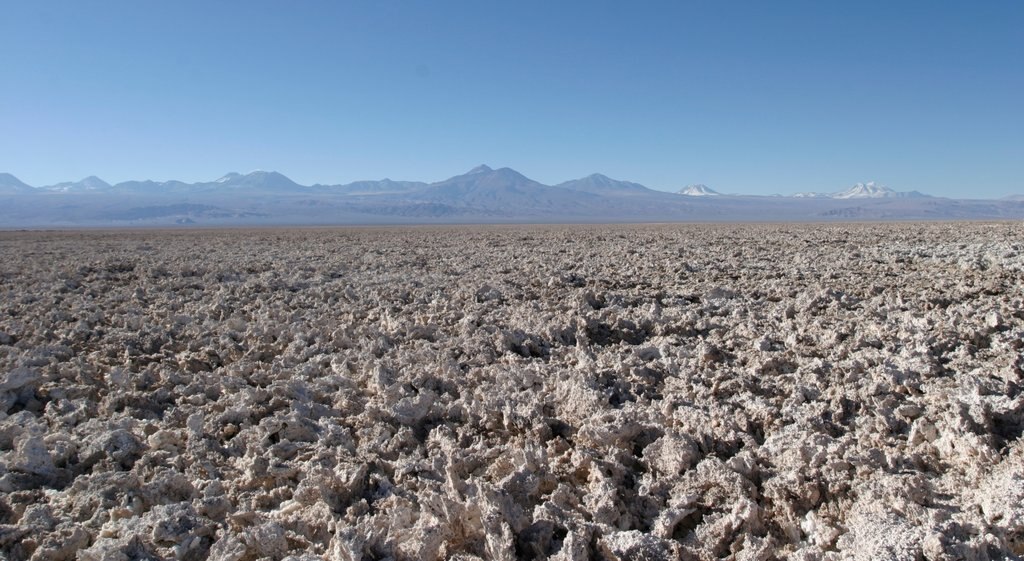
743,392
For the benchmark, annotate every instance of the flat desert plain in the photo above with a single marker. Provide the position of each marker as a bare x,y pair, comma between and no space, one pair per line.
747,392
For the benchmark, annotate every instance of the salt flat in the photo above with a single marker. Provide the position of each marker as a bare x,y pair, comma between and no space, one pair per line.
586,392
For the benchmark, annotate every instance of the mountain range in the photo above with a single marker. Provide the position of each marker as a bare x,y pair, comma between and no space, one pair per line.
869,190
482,194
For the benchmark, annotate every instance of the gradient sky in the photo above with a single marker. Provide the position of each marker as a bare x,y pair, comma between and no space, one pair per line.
747,97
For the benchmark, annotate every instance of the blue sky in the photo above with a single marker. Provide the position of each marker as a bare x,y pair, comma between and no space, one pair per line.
751,97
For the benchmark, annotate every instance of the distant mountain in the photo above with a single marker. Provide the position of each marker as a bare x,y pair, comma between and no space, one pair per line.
10,185
254,182
150,187
502,191
604,185
257,180
699,190
484,179
482,168
482,194
91,183
871,190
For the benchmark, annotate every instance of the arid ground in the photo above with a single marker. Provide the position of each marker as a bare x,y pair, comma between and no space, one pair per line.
747,392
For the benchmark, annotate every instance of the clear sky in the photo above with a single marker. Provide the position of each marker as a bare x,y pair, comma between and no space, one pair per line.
748,97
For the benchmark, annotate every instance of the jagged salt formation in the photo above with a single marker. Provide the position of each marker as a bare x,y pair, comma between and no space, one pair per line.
692,392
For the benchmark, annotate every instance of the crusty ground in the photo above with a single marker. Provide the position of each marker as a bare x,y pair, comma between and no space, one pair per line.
746,392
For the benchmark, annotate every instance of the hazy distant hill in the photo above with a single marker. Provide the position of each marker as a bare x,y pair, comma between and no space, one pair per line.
603,185
269,182
504,190
10,185
91,183
482,194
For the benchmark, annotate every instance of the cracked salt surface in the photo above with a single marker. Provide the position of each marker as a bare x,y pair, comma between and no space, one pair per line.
593,392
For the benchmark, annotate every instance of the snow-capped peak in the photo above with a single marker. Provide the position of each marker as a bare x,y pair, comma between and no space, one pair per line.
257,179
810,195
228,177
92,182
869,190
698,190
482,168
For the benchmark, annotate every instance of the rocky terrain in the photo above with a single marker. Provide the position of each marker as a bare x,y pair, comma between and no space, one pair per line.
745,392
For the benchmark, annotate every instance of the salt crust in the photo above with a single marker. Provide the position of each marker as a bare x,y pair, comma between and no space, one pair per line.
661,392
